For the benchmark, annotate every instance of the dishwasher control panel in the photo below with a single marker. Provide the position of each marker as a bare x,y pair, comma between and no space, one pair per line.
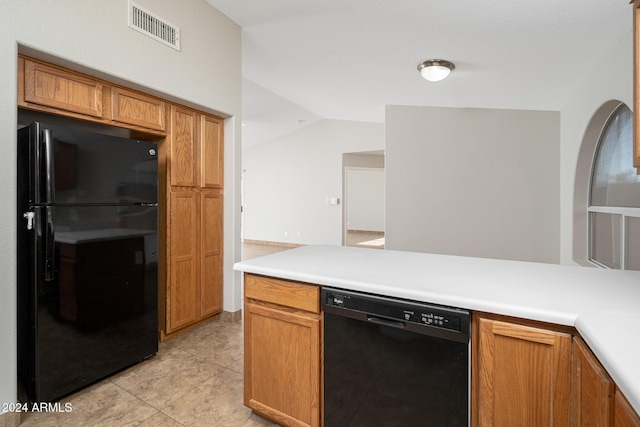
397,309
433,318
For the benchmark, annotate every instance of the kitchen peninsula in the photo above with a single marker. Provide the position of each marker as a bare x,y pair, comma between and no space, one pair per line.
598,306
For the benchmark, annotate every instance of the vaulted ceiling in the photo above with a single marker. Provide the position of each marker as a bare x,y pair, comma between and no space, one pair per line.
304,60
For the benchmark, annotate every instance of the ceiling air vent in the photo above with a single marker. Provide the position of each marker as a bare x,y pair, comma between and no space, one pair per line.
147,23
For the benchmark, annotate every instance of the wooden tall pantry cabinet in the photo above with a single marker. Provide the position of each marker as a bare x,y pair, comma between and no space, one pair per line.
190,170
194,197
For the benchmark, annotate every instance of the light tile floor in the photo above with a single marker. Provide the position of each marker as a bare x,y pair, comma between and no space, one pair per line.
196,379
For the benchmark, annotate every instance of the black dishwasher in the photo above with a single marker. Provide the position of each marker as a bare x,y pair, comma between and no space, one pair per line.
392,362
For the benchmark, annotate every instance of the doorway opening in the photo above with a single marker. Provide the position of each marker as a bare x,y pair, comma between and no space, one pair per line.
364,200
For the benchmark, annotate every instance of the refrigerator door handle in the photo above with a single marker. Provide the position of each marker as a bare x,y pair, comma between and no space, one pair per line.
50,182
49,245
29,217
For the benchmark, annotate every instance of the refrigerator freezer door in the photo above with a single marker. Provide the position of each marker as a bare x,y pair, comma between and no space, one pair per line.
89,168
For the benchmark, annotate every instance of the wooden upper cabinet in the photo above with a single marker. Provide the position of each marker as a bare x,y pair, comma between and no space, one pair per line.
211,151
183,146
59,89
137,109
523,375
196,149
592,395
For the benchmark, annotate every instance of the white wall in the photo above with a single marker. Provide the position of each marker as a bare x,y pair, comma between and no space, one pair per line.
93,36
611,80
474,182
287,181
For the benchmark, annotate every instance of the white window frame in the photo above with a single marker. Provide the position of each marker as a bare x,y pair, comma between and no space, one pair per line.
625,213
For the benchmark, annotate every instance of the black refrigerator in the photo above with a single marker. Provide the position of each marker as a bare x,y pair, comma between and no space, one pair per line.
87,257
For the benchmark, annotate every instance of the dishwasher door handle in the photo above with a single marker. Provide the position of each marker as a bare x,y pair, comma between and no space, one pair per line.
386,322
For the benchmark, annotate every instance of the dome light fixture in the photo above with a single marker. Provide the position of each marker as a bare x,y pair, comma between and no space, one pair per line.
435,70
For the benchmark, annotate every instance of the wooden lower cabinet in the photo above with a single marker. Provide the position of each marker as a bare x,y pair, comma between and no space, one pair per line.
596,400
530,374
593,389
194,291
624,415
182,290
210,254
522,375
282,351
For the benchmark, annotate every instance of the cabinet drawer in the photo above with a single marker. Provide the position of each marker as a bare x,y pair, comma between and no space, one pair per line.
137,109
56,88
283,292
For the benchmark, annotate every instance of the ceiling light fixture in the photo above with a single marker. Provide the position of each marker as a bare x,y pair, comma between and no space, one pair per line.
435,70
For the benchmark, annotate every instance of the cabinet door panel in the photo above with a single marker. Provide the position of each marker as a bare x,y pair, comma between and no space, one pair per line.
211,281
592,389
137,109
183,147
211,254
183,287
282,364
211,151
524,376
52,87
625,416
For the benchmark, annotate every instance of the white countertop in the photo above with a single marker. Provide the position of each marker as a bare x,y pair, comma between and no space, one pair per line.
603,305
